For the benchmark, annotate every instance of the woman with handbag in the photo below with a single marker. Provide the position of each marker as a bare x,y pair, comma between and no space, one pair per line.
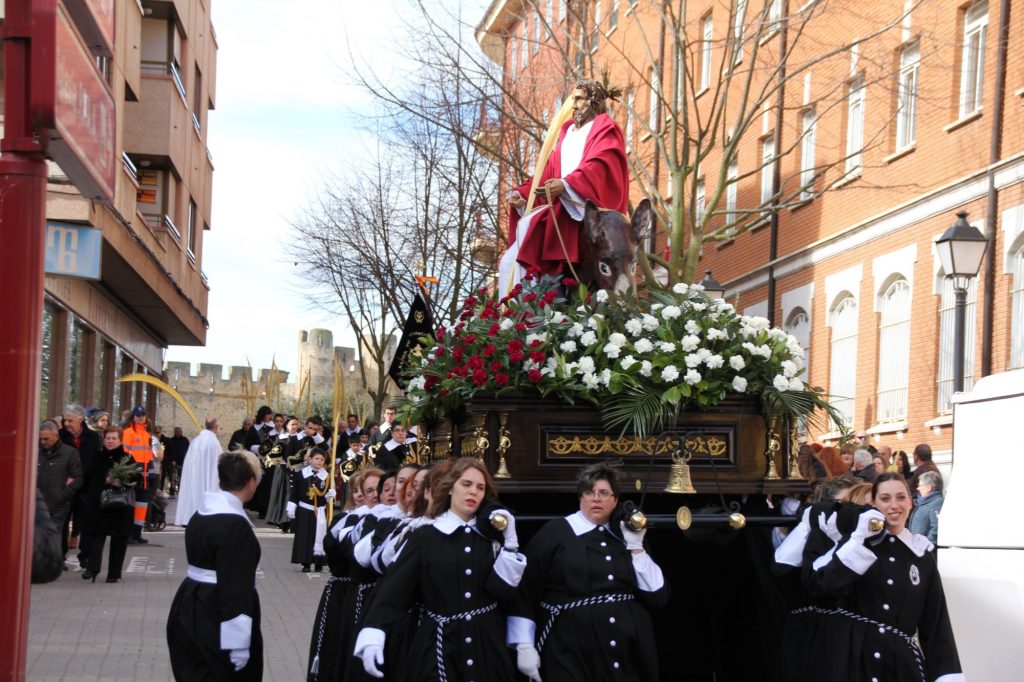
108,503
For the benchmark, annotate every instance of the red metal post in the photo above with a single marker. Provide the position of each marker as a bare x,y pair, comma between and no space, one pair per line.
22,230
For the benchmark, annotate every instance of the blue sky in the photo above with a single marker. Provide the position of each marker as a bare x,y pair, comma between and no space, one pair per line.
286,114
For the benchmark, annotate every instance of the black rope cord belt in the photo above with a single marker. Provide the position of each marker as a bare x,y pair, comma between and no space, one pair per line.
554,610
882,627
441,622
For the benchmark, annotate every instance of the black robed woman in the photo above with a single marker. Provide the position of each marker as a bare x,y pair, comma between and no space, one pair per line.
99,524
887,589
585,597
458,575
213,630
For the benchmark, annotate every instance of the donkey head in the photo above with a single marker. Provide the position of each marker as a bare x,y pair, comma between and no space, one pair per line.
608,253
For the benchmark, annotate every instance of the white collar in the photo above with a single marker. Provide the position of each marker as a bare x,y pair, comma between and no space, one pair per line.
307,471
580,524
392,444
918,544
448,522
222,502
352,454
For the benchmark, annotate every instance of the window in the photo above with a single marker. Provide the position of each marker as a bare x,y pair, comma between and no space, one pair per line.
894,352
731,192
655,103
1017,310
46,356
191,232
563,9
906,123
630,119
524,58
808,126
613,15
707,35
699,202
774,14
197,100
798,324
548,13
947,320
972,58
767,168
855,125
597,25
737,31
536,34
843,360
76,361
513,52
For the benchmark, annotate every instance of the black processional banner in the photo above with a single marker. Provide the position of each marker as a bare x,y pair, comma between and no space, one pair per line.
419,323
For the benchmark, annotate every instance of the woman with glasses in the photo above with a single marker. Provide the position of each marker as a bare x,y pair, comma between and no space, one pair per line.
582,613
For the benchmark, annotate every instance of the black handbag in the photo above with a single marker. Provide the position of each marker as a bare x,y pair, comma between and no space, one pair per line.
112,499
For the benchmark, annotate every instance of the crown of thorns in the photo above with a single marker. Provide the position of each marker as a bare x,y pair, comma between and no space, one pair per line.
598,90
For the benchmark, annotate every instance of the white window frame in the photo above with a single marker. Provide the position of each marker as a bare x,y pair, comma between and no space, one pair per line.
843,346
947,320
767,166
596,36
549,11
798,325
894,352
563,9
906,116
513,53
731,195
809,128
1017,309
613,16
856,101
972,58
706,47
536,33
524,57
654,105
737,31
630,119
699,200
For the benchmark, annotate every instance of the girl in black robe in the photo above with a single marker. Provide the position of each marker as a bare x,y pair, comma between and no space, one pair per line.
458,575
887,589
311,493
213,630
585,597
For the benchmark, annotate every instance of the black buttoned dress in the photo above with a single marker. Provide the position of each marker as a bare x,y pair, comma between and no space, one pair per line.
880,605
594,642
461,636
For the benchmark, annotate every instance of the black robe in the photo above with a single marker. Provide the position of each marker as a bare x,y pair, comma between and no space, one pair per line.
261,498
452,571
304,525
328,649
390,455
884,593
219,537
597,642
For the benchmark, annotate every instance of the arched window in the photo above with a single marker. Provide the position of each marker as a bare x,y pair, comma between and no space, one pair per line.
894,352
947,315
799,325
843,361
1017,309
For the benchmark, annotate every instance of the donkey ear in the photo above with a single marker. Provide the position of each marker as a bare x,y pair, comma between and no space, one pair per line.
592,222
642,223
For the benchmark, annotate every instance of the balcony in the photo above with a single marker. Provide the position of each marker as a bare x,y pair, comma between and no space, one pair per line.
155,126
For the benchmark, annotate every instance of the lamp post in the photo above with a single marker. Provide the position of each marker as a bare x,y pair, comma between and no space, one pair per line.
961,249
712,287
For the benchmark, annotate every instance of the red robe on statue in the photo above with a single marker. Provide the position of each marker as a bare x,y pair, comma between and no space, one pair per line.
601,176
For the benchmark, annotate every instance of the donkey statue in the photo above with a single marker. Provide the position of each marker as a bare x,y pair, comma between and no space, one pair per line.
608,246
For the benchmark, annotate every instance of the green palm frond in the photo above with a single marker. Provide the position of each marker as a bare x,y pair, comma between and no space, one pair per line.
639,411
808,403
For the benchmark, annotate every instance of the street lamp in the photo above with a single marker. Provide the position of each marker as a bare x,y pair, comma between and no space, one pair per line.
712,287
961,249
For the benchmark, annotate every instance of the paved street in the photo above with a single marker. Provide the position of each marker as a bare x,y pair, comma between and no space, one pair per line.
82,631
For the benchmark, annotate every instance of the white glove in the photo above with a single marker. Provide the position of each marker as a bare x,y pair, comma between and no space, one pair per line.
634,538
862,532
290,510
239,658
331,494
511,540
528,661
373,659
828,526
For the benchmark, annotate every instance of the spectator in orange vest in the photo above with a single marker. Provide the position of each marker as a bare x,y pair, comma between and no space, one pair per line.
139,444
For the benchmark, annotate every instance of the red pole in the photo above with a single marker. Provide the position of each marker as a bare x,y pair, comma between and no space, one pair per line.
22,230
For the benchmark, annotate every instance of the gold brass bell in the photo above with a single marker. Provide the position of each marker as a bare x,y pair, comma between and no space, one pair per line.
679,475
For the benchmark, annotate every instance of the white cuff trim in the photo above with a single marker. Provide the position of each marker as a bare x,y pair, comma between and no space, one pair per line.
649,577
236,633
519,630
791,551
510,567
363,551
368,637
951,677
290,508
856,557
823,560
572,201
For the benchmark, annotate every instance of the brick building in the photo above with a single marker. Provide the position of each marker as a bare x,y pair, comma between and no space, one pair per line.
892,117
148,289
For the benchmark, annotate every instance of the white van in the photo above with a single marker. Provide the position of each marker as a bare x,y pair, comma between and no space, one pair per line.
981,529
